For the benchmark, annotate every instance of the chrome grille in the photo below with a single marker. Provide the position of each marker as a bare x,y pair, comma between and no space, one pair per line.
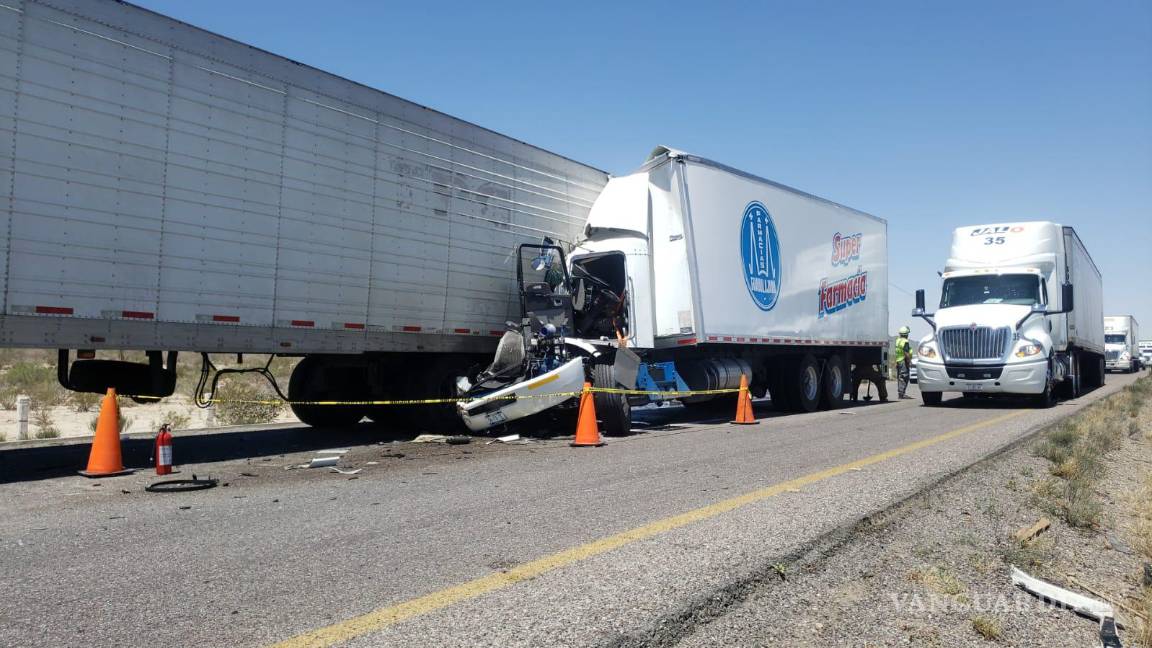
1113,355
978,343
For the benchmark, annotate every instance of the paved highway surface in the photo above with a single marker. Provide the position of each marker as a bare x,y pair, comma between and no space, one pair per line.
475,545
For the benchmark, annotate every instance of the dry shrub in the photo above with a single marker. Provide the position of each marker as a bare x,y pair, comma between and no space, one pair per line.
35,380
45,424
1145,637
83,401
987,627
244,403
1077,447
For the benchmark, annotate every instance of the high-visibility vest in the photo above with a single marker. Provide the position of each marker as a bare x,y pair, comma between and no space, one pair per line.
903,349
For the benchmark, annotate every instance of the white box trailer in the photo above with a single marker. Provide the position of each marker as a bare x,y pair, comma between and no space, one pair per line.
1122,340
1021,312
716,255
700,273
167,189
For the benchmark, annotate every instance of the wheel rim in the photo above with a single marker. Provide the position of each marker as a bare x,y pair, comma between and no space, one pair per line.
811,382
836,379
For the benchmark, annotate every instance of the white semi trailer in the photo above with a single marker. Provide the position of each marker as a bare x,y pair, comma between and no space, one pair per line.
1121,343
690,274
1021,312
166,189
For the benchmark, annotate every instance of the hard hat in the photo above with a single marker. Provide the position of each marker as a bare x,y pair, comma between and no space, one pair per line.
904,330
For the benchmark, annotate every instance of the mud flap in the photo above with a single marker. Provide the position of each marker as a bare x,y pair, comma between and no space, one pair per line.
626,368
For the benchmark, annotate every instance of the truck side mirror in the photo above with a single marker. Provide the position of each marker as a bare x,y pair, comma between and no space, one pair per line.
919,311
1067,298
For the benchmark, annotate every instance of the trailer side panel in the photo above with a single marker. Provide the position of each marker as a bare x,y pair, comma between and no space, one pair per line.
164,187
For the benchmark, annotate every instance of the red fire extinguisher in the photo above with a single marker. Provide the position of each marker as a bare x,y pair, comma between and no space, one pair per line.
164,450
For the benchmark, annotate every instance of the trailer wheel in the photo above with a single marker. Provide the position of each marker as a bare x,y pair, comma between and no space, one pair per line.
612,410
834,384
805,384
1071,386
309,383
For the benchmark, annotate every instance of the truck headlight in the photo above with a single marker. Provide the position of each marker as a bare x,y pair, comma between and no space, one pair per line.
1029,350
1125,356
926,350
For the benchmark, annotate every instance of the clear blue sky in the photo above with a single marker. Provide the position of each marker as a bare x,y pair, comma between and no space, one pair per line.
931,115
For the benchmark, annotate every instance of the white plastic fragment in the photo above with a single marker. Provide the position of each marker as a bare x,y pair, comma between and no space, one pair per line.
333,451
505,439
321,462
1078,603
345,472
430,438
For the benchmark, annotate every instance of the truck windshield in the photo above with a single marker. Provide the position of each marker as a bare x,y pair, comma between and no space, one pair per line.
1115,338
1022,289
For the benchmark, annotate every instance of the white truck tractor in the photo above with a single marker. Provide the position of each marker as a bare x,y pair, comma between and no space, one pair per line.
1020,313
1121,344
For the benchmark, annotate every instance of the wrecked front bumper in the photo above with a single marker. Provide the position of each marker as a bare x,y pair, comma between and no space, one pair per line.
524,398
1021,378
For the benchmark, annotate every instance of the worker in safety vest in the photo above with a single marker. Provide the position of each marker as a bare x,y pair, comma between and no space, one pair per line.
903,361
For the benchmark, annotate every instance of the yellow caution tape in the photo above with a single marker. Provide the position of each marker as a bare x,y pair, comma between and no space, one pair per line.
444,401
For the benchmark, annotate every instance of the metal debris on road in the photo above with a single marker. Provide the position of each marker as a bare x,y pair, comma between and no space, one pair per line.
512,439
182,485
459,439
323,462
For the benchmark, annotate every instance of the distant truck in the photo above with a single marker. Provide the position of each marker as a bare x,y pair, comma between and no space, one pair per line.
1121,343
690,274
1146,353
1021,312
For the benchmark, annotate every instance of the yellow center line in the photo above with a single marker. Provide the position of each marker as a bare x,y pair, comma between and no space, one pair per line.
386,616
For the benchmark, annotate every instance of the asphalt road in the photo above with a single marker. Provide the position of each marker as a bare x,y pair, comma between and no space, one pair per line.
475,545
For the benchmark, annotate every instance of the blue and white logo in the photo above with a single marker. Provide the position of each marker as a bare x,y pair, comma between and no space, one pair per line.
760,252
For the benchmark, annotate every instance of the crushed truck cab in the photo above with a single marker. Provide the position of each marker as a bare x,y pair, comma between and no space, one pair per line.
524,398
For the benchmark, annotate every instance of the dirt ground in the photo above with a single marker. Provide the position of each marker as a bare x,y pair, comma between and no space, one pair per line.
934,571
141,418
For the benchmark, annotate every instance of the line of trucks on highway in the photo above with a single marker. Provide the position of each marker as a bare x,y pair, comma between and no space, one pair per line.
169,190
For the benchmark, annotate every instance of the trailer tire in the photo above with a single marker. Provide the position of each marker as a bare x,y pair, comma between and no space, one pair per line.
307,385
834,384
1071,386
805,384
612,410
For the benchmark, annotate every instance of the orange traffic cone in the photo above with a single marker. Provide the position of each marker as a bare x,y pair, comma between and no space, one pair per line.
104,460
587,433
744,404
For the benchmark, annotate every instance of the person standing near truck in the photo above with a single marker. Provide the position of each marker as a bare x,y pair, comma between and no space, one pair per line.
903,361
